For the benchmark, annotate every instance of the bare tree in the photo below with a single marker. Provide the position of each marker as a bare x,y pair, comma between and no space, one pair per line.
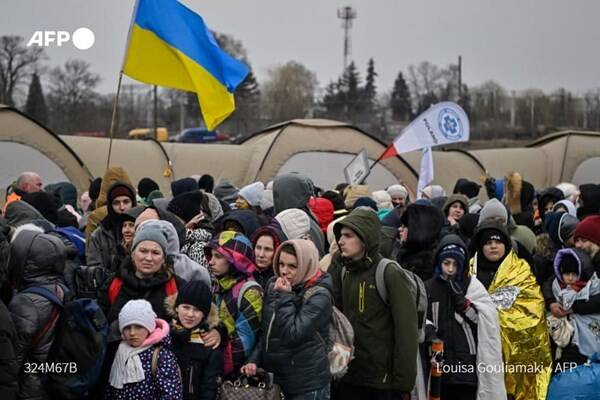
17,62
71,93
289,92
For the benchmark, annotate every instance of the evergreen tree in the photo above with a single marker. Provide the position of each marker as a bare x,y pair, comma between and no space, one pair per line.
370,88
36,104
400,100
351,92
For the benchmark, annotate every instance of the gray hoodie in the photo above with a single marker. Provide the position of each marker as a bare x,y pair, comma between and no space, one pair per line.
184,267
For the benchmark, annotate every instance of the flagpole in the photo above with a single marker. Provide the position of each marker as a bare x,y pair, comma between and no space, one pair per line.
380,157
113,119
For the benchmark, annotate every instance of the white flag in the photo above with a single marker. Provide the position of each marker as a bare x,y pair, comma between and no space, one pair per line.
442,123
426,173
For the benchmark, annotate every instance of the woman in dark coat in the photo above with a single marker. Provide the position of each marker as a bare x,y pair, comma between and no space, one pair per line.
296,320
37,260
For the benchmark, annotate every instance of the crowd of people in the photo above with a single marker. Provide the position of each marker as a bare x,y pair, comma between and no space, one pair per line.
210,283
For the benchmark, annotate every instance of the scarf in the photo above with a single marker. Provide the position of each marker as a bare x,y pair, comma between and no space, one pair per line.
127,366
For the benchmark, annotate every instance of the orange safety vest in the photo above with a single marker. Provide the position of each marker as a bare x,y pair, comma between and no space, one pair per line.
11,197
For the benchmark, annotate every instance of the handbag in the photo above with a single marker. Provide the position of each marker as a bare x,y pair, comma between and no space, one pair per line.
258,387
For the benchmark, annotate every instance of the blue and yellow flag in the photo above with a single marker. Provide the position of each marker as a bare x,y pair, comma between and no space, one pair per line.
170,45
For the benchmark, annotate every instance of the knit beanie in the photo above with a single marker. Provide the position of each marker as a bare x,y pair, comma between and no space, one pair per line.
467,187
397,190
366,202
153,235
146,186
383,200
94,188
154,195
183,185
454,252
252,193
225,190
120,189
494,234
294,223
589,229
197,294
494,210
206,183
138,312
186,205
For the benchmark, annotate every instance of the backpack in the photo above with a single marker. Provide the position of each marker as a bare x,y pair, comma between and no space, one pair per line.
247,285
340,341
416,285
77,353
87,281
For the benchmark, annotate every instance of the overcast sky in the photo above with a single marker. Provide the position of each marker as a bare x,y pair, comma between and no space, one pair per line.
521,44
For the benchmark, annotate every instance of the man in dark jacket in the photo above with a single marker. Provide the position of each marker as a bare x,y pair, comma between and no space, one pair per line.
419,235
385,339
36,260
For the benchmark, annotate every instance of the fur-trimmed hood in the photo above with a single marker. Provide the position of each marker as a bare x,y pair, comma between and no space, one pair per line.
518,193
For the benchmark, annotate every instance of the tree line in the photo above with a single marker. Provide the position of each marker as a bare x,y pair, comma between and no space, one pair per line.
65,98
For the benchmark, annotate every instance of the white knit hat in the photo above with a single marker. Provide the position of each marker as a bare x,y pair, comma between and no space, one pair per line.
294,223
383,200
397,190
253,193
138,312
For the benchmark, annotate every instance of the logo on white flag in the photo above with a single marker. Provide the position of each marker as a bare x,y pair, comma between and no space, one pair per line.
450,124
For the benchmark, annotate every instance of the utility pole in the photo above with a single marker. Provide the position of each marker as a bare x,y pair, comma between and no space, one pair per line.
460,80
155,111
346,14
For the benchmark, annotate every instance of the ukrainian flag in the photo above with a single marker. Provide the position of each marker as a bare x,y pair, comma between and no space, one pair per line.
170,45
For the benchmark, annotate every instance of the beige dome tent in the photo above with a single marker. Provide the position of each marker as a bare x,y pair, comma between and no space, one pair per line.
319,148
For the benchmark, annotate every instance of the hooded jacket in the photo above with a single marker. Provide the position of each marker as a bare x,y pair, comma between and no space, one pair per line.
183,266
241,325
294,190
102,247
111,176
459,333
37,259
385,337
272,230
424,224
293,327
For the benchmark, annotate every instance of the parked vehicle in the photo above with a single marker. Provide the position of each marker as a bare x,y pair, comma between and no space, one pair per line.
162,134
199,135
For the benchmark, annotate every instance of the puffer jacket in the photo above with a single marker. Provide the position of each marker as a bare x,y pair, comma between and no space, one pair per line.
292,345
9,370
385,338
164,384
37,259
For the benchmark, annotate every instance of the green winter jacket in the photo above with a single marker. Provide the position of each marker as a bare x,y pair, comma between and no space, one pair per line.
385,336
